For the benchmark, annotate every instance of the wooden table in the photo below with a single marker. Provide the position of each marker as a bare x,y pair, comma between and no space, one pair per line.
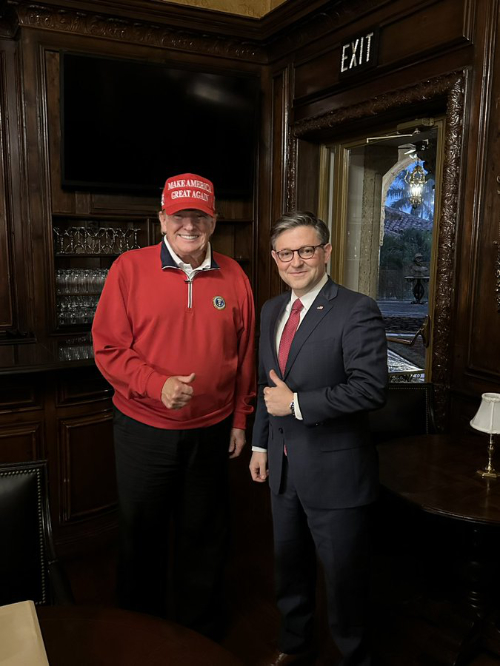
438,474
435,477
87,636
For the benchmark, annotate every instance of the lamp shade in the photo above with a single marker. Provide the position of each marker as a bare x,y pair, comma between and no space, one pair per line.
487,418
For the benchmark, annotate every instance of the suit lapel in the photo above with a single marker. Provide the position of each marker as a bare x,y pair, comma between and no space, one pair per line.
275,316
321,306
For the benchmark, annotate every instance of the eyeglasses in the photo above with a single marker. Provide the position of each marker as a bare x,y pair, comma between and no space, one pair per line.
305,252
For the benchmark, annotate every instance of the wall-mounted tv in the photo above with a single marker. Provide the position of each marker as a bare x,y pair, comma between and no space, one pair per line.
127,125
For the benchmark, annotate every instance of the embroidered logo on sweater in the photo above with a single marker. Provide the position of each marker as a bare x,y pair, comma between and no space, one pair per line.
219,303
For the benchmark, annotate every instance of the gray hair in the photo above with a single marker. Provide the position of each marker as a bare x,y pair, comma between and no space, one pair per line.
296,219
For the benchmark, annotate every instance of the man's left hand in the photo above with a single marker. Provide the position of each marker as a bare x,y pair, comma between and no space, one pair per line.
236,442
278,397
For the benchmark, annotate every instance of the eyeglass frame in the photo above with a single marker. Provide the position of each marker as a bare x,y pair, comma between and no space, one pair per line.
287,261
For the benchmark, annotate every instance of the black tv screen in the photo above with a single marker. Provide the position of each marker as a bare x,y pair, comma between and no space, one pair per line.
128,125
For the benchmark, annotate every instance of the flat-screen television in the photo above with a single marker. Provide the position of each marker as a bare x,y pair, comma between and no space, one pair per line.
127,125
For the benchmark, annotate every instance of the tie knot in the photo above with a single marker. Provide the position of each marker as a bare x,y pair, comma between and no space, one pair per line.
297,306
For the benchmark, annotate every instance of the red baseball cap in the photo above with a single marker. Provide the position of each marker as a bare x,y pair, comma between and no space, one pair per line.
188,191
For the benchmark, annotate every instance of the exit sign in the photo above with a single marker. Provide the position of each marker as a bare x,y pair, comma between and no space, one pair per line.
359,53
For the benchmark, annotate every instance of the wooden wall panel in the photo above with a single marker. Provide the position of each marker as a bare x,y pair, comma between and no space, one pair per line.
411,35
81,386
21,442
308,164
6,288
427,29
16,275
476,360
387,82
317,73
483,347
281,145
86,458
21,393
62,202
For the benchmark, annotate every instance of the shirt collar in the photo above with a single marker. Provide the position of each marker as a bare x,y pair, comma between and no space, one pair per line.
206,263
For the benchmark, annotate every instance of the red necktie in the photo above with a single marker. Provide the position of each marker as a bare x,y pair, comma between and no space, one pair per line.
288,333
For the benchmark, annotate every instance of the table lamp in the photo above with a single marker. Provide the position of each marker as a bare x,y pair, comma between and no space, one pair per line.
487,419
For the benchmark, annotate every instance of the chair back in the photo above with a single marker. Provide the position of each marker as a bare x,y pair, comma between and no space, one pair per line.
29,569
408,411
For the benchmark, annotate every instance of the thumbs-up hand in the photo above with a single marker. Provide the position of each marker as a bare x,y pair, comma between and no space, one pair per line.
277,397
177,391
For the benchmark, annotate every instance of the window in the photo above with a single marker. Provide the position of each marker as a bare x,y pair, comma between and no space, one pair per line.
382,203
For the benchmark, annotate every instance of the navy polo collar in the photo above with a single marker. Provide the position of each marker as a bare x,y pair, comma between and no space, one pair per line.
167,260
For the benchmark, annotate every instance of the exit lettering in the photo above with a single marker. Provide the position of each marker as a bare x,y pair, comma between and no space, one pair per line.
359,53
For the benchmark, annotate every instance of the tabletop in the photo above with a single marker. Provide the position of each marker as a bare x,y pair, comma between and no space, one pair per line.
88,636
438,474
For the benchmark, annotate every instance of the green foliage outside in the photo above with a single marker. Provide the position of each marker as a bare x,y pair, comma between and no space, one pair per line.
397,252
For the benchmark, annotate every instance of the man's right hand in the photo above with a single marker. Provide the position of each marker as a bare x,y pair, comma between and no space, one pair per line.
177,392
258,466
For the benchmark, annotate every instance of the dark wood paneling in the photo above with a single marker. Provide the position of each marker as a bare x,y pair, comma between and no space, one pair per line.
476,362
6,300
87,479
462,410
66,418
389,82
423,32
80,387
308,175
21,393
483,351
21,442
62,202
16,275
272,197
317,74
409,36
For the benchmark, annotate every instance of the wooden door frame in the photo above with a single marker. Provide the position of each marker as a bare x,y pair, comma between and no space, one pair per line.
451,88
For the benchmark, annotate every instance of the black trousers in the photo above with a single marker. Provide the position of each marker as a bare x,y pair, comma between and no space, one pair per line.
173,500
340,538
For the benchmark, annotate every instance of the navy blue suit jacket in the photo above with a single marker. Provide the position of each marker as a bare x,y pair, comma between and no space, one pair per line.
338,367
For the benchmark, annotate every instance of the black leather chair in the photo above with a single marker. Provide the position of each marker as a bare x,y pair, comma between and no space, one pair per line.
408,411
29,569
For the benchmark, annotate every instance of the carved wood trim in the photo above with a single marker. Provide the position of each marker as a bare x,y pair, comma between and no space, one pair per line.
452,87
144,33
497,275
445,278
497,260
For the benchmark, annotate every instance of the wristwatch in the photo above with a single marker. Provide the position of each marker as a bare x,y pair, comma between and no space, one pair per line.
292,408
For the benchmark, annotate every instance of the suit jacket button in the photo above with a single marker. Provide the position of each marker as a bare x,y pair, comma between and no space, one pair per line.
280,430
